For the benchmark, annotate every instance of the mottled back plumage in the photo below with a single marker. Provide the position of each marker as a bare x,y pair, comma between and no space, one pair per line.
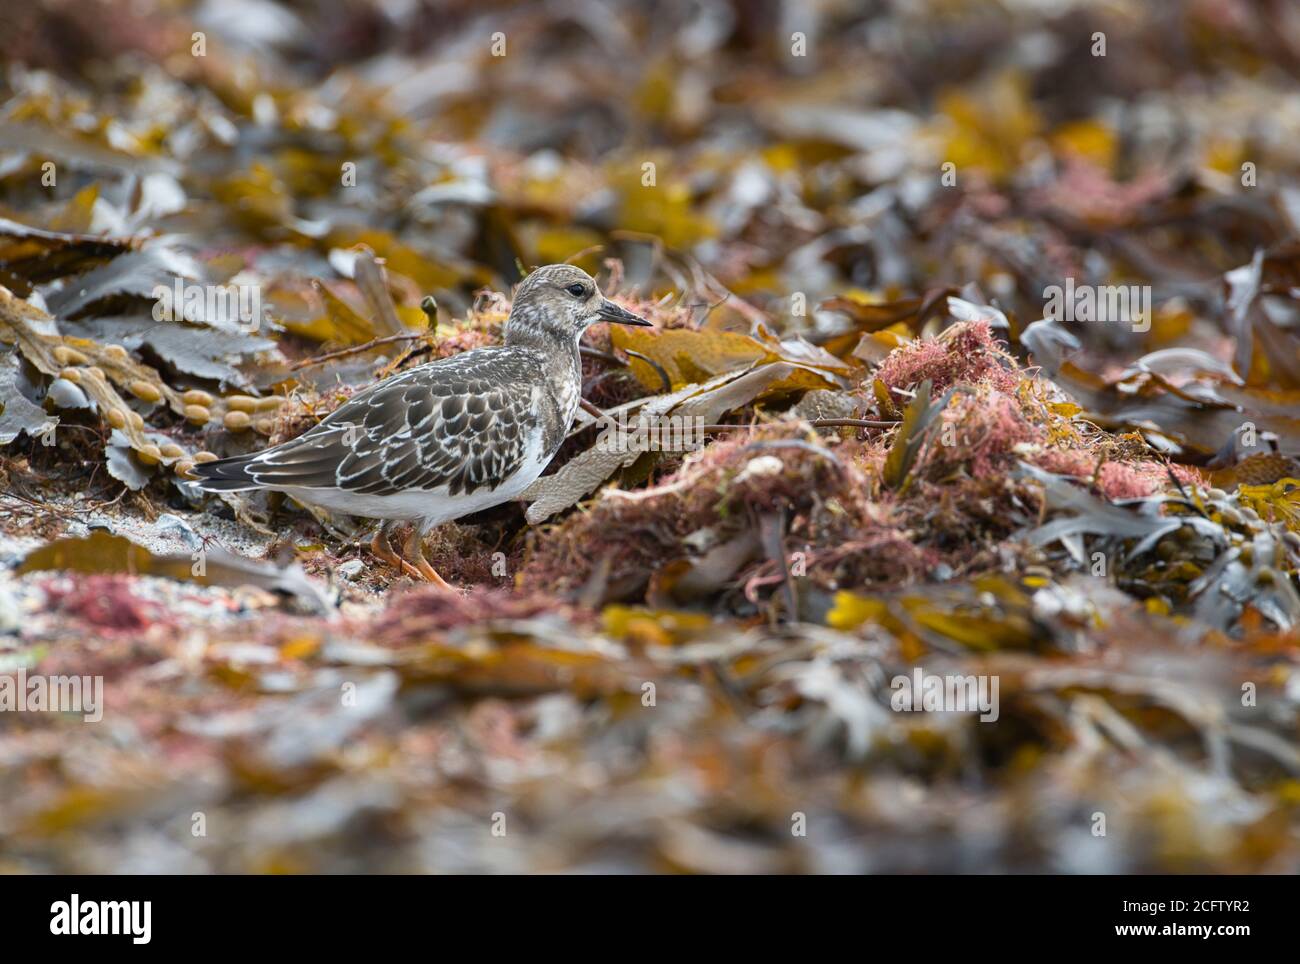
455,423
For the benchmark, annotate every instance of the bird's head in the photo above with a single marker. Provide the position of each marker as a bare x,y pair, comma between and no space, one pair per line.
559,300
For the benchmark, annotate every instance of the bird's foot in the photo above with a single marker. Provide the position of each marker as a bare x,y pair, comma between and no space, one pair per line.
414,550
380,548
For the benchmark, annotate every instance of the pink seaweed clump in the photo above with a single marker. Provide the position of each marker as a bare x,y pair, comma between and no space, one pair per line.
965,353
980,432
106,602
1116,480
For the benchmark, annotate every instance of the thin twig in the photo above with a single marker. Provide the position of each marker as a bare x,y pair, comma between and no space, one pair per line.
854,422
607,356
663,372
591,409
815,423
403,358
354,350
591,249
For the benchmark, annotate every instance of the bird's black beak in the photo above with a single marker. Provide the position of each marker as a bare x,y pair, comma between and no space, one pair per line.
608,311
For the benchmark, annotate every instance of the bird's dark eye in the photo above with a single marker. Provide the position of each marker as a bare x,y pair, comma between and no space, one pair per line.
577,289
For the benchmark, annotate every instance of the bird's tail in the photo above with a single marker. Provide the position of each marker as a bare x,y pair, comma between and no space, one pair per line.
226,475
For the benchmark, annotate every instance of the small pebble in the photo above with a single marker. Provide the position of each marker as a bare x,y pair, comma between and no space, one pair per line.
760,466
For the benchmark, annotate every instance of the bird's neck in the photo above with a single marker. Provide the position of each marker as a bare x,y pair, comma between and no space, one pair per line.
519,333
558,349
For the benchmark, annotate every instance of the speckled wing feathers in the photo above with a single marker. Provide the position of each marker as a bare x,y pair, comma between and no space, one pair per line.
464,422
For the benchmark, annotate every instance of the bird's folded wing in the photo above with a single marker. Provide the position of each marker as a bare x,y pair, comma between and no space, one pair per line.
462,432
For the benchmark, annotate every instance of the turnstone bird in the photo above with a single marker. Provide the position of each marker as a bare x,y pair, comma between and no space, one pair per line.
442,440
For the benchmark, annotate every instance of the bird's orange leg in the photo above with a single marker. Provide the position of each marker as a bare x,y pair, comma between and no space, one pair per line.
381,549
414,550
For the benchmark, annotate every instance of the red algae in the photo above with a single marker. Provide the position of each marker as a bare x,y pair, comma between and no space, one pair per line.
106,602
965,353
1116,479
427,610
980,431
